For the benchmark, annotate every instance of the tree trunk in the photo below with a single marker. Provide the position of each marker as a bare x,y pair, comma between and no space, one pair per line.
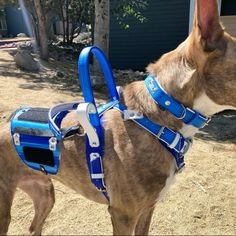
43,39
67,23
49,25
101,28
63,21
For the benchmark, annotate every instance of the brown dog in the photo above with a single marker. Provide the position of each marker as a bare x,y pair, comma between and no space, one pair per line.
200,73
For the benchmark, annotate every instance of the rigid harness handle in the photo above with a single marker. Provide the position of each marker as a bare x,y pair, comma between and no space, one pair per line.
84,75
90,118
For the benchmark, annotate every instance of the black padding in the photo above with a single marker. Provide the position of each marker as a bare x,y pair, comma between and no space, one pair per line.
39,155
35,115
33,131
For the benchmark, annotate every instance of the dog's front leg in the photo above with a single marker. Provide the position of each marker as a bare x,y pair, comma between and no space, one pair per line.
122,222
142,227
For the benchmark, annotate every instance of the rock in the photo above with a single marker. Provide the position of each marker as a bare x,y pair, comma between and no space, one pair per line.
60,74
26,61
13,52
128,75
25,46
198,214
21,35
82,37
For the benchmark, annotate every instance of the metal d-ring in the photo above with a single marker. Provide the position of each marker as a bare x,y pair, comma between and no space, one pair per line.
183,113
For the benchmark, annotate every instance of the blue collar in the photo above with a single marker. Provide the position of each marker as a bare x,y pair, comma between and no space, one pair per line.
160,96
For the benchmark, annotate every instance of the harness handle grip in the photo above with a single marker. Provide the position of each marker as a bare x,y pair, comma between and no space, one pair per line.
83,70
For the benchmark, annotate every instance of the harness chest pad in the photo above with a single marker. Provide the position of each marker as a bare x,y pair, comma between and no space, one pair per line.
34,141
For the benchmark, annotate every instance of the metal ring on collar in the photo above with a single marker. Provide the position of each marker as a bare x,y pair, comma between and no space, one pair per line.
183,113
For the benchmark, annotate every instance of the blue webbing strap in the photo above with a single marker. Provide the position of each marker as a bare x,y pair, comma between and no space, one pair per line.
187,115
94,154
173,141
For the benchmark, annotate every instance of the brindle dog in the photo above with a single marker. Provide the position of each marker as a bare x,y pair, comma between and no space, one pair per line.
200,73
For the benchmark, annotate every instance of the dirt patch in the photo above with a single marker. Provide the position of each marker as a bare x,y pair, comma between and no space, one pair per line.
202,200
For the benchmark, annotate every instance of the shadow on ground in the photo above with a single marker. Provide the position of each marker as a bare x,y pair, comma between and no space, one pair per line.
45,78
222,128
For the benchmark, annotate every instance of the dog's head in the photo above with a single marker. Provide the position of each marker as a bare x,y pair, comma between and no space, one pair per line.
201,72
212,51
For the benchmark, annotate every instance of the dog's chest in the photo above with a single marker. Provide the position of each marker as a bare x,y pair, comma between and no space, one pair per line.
169,181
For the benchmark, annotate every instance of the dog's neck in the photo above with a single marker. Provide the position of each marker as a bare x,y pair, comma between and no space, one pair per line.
180,80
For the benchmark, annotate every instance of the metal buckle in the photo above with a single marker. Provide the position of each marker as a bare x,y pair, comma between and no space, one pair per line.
187,143
43,169
97,176
175,141
206,123
16,138
102,190
181,167
131,115
93,156
183,113
160,132
52,144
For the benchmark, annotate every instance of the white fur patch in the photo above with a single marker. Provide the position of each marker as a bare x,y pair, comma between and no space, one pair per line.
169,181
188,131
206,107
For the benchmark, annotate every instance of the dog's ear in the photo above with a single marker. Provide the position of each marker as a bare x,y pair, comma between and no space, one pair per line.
206,24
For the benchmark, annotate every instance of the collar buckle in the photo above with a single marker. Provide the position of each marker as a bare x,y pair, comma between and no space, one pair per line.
206,123
183,113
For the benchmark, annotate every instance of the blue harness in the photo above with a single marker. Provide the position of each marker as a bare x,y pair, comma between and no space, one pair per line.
42,137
